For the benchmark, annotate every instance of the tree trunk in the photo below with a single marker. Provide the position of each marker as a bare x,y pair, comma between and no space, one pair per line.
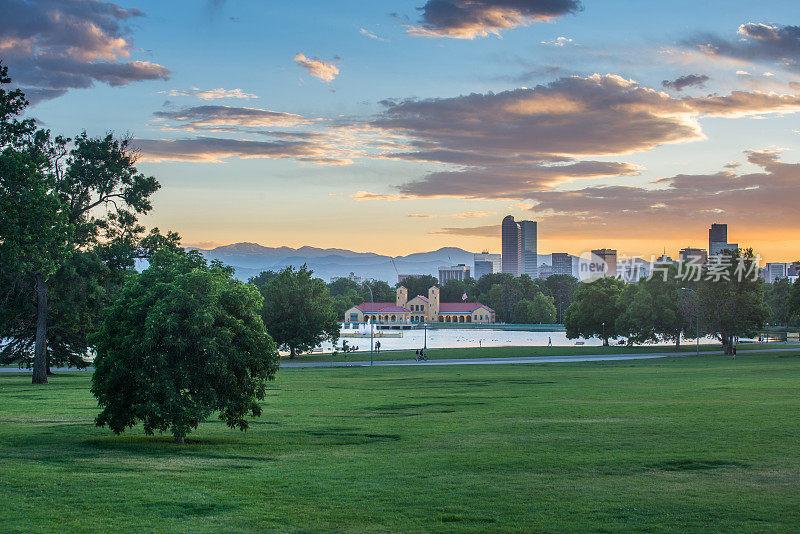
678,341
292,353
179,440
40,348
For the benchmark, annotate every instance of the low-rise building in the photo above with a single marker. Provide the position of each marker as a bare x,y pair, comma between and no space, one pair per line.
456,272
420,309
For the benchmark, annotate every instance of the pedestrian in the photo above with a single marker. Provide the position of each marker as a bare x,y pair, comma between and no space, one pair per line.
734,352
549,341
377,346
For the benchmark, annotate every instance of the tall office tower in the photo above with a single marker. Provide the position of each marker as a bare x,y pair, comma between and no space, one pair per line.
529,257
718,239
609,256
510,246
562,263
486,263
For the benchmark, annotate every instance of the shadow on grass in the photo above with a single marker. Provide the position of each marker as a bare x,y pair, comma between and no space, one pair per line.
688,464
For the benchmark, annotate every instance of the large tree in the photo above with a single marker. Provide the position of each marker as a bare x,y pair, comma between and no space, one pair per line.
298,311
561,287
57,199
540,309
183,340
731,298
777,297
652,310
595,310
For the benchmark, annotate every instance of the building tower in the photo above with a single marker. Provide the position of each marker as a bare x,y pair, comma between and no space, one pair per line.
433,304
529,258
609,256
718,233
402,296
510,262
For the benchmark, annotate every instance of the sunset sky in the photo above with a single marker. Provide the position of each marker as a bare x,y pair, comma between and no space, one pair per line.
403,126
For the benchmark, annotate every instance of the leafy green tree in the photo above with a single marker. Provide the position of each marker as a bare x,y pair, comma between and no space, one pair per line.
298,311
538,310
56,201
454,290
419,285
561,287
343,286
503,298
652,310
777,297
595,310
794,301
382,291
262,279
732,301
183,340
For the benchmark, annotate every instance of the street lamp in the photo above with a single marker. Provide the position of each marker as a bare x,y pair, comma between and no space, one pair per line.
604,333
371,325
425,325
697,313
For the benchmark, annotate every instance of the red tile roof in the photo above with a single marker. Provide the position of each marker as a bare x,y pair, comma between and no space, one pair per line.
461,307
381,307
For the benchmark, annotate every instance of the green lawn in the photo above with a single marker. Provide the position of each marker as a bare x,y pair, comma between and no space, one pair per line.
673,444
526,351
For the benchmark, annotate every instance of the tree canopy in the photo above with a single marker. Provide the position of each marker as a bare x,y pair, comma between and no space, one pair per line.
58,198
651,310
595,310
298,311
183,340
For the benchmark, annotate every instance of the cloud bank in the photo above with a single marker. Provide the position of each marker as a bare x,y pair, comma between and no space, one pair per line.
514,142
468,19
757,42
51,46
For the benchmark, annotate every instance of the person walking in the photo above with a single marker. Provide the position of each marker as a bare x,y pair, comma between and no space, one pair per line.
377,346
549,341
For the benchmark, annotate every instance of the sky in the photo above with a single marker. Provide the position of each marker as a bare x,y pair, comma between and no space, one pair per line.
404,126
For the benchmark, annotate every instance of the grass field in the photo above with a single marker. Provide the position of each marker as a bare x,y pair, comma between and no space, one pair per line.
678,444
526,351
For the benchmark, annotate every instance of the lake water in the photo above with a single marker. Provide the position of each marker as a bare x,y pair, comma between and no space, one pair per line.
452,338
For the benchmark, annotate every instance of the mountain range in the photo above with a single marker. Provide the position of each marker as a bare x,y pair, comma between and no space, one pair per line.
250,259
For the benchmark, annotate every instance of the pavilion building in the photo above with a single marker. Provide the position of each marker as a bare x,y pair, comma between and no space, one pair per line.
420,309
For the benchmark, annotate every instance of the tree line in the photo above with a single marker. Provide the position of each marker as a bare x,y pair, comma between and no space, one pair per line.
667,306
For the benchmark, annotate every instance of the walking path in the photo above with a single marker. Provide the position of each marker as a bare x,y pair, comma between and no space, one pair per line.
475,361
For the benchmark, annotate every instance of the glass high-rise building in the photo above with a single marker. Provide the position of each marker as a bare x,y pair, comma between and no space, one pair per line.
529,257
519,247
510,246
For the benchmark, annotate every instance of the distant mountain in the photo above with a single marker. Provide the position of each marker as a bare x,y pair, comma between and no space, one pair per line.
250,259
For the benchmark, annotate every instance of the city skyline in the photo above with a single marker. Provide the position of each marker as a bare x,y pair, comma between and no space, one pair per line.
387,128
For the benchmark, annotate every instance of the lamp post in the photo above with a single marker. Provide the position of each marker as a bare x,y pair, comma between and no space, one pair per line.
697,314
371,325
425,325
604,333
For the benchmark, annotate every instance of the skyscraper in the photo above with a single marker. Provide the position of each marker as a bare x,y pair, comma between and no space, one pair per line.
718,239
609,256
510,248
562,263
486,263
529,257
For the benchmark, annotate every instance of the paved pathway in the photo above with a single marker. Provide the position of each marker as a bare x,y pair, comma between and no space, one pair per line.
477,361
